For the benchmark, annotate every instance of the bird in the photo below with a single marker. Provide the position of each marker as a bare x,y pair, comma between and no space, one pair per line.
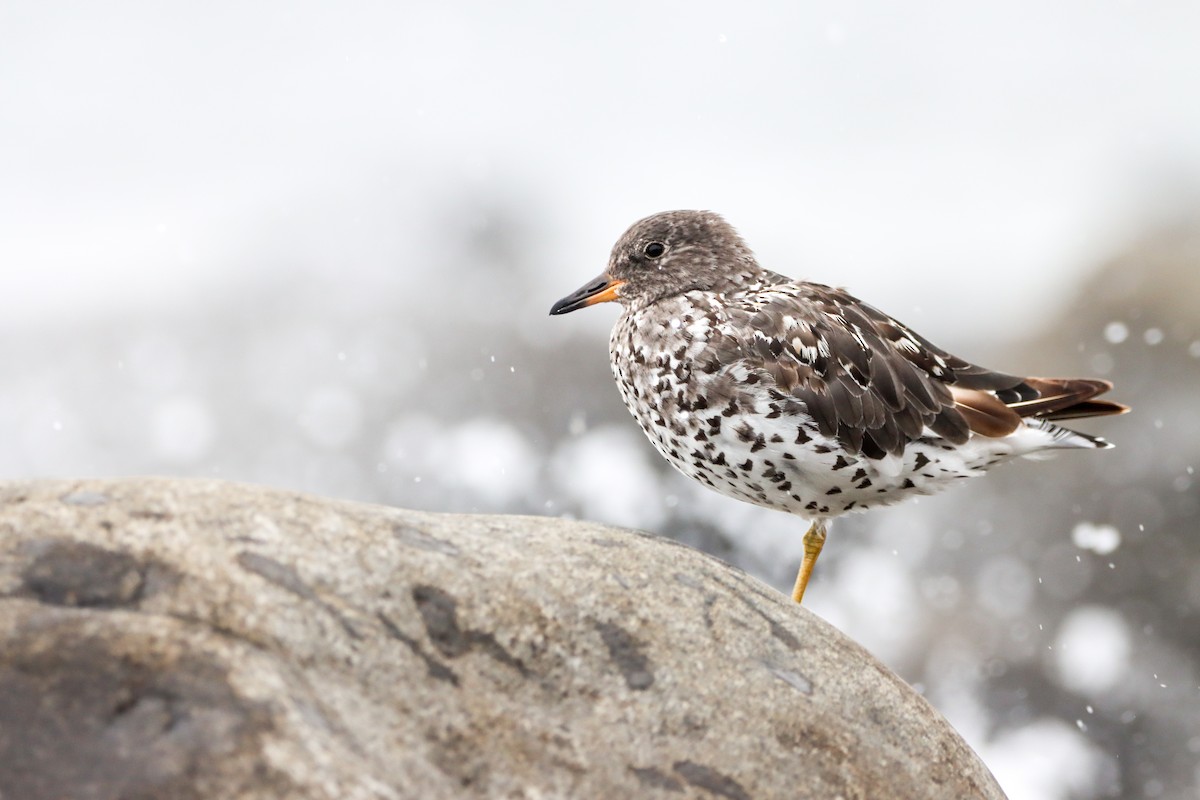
798,396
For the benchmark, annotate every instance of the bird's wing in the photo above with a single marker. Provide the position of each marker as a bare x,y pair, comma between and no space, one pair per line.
866,379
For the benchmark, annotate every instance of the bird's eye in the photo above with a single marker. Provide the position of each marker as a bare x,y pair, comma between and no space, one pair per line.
654,249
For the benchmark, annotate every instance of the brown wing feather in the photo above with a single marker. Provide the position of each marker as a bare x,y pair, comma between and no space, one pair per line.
872,382
981,393
984,412
818,346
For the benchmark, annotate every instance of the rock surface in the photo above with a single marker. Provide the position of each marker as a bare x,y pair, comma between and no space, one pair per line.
201,639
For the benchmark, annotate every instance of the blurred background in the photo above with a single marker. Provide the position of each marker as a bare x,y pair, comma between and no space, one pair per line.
313,245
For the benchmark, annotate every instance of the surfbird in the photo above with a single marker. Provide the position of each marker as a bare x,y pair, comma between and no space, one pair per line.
799,396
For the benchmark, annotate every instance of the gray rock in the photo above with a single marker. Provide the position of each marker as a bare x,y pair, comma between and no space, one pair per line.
168,638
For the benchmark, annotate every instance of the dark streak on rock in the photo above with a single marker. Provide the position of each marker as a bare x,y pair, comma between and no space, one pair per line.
781,633
608,543
710,780
287,578
626,652
487,642
653,778
740,592
414,537
436,669
151,514
439,612
67,573
277,573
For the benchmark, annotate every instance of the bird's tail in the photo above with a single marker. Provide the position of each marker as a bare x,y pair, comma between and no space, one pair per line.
1066,439
1066,398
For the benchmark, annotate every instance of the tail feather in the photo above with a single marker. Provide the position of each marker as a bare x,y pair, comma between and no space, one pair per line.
1066,439
1067,398
1089,408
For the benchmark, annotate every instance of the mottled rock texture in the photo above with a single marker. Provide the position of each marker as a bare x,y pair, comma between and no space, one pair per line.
200,639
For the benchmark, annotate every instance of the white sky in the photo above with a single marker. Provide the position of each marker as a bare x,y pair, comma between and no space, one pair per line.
916,153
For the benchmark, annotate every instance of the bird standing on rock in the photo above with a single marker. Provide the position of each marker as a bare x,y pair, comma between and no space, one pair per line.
798,396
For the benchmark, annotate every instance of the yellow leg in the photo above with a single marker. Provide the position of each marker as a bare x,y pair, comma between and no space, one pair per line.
814,540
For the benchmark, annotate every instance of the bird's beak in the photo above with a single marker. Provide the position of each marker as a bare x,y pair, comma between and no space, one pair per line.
601,290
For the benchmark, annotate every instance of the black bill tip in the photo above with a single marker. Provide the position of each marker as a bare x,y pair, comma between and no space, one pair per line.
600,290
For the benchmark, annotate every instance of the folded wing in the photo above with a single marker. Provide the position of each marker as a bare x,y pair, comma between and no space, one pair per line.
872,382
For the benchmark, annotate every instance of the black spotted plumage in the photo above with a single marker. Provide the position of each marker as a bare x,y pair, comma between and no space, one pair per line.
845,403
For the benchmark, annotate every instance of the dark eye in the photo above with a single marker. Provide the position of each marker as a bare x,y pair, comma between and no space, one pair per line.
654,249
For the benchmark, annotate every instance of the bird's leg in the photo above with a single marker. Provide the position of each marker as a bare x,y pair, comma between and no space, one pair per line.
814,540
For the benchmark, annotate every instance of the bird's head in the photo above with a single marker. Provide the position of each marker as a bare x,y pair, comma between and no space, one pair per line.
665,255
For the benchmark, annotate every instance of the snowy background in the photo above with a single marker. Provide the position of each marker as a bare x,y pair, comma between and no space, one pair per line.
314,246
